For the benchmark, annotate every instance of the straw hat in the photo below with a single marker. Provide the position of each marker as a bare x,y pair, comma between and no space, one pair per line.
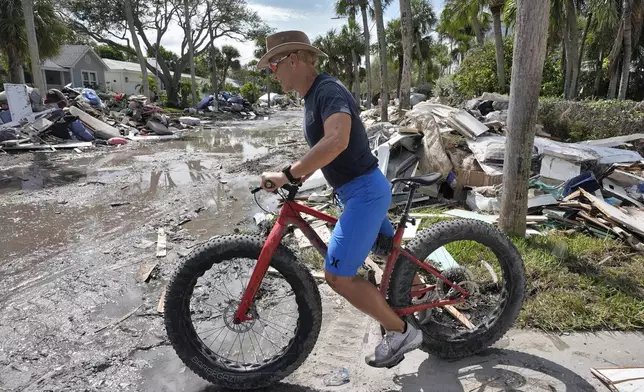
286,42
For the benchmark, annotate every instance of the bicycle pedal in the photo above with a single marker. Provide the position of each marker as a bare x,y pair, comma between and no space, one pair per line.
402,358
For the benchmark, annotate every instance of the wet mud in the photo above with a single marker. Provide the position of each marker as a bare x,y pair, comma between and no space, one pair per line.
78,226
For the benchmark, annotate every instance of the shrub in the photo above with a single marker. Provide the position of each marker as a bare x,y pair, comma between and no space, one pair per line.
477,72
586,120
445,87
250,92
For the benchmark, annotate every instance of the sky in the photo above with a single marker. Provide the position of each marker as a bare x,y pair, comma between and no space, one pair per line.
314,17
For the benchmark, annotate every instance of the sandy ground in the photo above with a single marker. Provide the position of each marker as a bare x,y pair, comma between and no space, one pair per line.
78,227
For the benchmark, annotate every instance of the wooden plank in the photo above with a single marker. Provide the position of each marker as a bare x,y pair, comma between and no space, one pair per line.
32,146
573,195
145,270
616,215
459,316
161,304
161,243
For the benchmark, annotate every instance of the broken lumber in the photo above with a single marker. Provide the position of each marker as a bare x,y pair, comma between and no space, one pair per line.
161,243
459,316
101,129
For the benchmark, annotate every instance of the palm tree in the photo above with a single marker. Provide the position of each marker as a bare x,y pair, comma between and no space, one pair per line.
230,60
50,33
496,6
349,9
382,50
469,14
628,52
393,35
407,38
423,20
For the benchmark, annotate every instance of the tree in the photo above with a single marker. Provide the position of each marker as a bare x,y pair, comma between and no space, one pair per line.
367,55
103,20
382,46
230,59
107,52
32,40
626,62
496,6
50,34
393,35
465,16
529,55
349,9
156,51
407,37
129,16
188,10
423,20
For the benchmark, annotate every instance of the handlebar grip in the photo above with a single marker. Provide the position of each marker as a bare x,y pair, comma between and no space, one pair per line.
259,188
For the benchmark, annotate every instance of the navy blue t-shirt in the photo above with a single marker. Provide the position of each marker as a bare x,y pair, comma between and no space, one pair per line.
328,96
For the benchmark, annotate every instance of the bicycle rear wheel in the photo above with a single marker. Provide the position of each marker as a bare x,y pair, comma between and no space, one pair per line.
202,298
482,260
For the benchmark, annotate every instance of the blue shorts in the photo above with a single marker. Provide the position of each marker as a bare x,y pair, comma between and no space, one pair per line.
366,200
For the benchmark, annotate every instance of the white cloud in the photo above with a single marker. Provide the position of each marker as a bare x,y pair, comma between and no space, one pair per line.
276,14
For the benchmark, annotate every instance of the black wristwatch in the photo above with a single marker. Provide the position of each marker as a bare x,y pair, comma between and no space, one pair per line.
287,173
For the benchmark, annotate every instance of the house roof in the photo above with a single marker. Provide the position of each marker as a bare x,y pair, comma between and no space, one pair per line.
50,65
115,65
69,56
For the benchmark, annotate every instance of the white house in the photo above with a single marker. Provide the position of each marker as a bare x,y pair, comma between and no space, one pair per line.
126,77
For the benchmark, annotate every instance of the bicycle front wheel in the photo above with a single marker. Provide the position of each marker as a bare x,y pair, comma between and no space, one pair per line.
203,296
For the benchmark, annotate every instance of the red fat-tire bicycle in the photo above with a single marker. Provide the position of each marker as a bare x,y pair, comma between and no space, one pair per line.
243,312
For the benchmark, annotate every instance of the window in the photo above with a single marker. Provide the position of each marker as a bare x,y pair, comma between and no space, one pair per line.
90,78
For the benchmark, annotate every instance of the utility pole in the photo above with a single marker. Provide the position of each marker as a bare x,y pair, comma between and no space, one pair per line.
34,55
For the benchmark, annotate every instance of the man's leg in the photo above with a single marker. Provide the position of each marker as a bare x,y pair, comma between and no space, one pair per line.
366,298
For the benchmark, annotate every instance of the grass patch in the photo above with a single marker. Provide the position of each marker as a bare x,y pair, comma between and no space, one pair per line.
574,283
313,258
568,289
169,110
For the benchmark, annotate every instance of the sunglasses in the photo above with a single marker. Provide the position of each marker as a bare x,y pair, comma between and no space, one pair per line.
272,66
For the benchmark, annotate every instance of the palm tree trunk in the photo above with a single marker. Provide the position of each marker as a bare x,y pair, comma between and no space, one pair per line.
356,76
420,62
129,15
568,68
498,43
34,55
382,45
599,72
614,81
16,72
589,20
406,27
527,65
626,62
401,59
614,59
478,31
573,51
367,53
213,58
191,52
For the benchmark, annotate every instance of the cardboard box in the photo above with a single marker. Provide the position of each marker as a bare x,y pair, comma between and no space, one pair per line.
473,178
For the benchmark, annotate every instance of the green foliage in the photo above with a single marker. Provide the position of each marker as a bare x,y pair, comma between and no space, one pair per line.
51,32
108,52
250,92
152,82
552,84
582,120
445,87
477,72
232,89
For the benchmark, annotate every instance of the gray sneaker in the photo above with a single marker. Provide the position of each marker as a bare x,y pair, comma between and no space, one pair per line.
391,350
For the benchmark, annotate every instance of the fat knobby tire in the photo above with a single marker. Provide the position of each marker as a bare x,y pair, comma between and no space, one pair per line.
191,349
440,234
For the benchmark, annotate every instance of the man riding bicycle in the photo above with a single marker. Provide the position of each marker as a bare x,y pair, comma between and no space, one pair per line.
340,148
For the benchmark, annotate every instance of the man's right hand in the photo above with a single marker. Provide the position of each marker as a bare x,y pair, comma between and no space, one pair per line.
306,177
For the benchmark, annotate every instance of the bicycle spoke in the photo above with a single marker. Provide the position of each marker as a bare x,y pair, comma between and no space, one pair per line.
222,342
231,346
215,330
276,325
258,343
241,347
265,337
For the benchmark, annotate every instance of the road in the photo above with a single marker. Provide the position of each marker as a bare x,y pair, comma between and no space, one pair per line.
78,228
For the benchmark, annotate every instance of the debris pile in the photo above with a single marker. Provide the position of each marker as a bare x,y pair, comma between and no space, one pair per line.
595,186
77,118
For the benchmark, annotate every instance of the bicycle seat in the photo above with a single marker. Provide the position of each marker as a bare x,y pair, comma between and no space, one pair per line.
427,180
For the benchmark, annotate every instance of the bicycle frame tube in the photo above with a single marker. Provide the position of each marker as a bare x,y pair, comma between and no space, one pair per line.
289,215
